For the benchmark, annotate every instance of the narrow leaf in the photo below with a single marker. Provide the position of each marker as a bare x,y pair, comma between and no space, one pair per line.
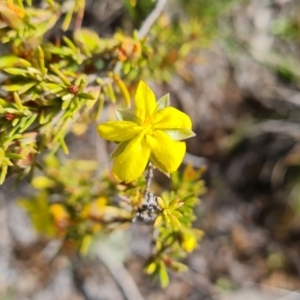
16,71
86,96
179,134
28,123
18,101
63,78
120,148
8,61
67,21
125,114
163,275
123,89
3,173
67,97
163,102
25,87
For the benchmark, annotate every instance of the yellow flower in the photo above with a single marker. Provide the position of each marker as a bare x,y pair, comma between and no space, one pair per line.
152,131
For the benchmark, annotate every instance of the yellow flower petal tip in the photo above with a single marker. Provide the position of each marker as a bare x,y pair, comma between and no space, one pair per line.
144,102
152,131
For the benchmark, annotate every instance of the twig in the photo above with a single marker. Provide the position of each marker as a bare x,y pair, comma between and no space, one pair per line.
120,274
154,15
149,208
149,177
289,128
78,278
79,18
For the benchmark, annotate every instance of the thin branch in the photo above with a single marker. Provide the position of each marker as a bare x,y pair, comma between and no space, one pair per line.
79,18
149,208
149,177
78,277
154,15
120,274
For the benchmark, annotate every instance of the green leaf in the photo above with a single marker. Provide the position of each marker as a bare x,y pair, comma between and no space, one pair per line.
26,87
120,148
67,97
62,77
27,113
13,61
87,39
12,87
41,60
125,114
163,275
86,243
64,146
34,70
65,104
158,220
3,173
70,44
13,155
108,90
18,101
67,21
11,110
159,165
16,71
160,202
2,154
61,51
86,96
176,213
2,103
179,134
54,87
28,122
126,68
174,220
178,267
15,122
150,267
163,102
22,122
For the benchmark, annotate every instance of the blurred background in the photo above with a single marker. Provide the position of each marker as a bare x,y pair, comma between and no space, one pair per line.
233,66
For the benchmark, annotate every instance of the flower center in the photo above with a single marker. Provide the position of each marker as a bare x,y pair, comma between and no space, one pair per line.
148,129
148,126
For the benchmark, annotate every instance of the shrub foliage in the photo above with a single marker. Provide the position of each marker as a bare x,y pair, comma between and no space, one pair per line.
52,84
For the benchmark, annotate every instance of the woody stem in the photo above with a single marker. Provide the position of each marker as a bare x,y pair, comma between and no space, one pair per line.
149,177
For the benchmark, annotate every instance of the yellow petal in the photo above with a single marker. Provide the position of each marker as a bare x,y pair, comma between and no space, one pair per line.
189,243
159,165
169,153
145,102
171,118
131,163
118,131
